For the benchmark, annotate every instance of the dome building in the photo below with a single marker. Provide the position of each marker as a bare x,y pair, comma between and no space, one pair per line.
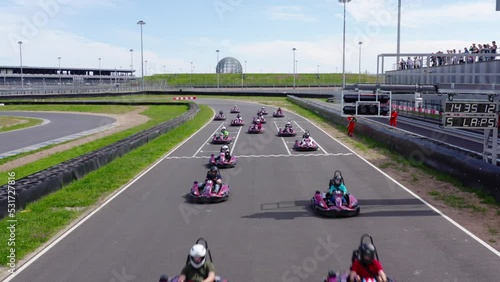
229,65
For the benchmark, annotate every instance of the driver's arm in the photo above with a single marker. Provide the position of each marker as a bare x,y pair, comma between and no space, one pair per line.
211,277
381,273
354,276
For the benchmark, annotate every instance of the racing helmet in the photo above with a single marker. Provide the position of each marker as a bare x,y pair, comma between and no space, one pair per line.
223,128
225,148
197,255
307,135
236,106
221,112
257,121
367,253
214,170
337,180
289,123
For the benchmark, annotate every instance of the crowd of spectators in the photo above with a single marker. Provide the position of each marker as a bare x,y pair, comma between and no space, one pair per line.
453,57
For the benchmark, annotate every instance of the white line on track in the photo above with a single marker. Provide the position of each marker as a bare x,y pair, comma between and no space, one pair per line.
493,250
208,140
267,156
112,197
283,139
313,139
235,140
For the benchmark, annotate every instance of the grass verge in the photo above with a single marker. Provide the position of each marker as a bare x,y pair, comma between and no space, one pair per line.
44,218
109,109
15,123
157,115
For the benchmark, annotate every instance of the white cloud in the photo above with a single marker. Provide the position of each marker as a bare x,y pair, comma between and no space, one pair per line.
293,13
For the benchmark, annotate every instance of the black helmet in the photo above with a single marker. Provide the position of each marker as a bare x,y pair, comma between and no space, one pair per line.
367,253
214,168
306,135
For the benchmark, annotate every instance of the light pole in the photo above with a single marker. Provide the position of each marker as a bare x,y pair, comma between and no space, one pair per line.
191,74
59,58
146,67
294,49
100,78
399,28
242,73
217,51
359,78
21,62
141,23
131,59
343,48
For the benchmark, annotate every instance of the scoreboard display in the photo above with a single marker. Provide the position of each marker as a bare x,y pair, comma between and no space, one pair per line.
471,107
471,122
470,114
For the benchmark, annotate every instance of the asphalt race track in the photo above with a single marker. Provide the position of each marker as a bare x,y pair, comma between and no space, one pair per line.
60,125
266,231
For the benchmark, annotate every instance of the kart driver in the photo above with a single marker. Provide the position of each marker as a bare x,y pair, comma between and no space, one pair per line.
263,110
367,266
279,111
224,149
337,185
239,118
305,137
258,125
221,113
198,269
214,175
288,127
224,132
236,107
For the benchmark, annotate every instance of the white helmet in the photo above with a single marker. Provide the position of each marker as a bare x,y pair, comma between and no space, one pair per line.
197,255
225,148
288,123
223,128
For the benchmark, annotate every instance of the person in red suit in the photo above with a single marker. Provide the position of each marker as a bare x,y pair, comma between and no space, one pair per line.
350,127
394,118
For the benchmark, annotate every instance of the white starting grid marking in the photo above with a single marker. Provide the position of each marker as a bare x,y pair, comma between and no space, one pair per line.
207,142
235,140
319,146
265,156
283,139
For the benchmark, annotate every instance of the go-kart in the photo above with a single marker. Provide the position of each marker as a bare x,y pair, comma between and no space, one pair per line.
287,132
263,112
307,145
278,114
341,206
338,277
221,162
220,139
235,110
220,117
165,278
262,120
237,122
252,129
207,195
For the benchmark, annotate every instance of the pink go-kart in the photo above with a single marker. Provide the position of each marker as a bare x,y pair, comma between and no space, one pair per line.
207,195
237,122
221,162
220,139
307,145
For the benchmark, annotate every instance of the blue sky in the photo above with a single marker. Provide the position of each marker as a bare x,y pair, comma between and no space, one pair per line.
261,32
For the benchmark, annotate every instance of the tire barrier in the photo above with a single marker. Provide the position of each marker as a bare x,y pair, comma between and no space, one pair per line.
42,183
467,167
185,98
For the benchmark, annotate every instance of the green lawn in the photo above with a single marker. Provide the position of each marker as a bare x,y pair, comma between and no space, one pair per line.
258,79
157,115
8,123
44,218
